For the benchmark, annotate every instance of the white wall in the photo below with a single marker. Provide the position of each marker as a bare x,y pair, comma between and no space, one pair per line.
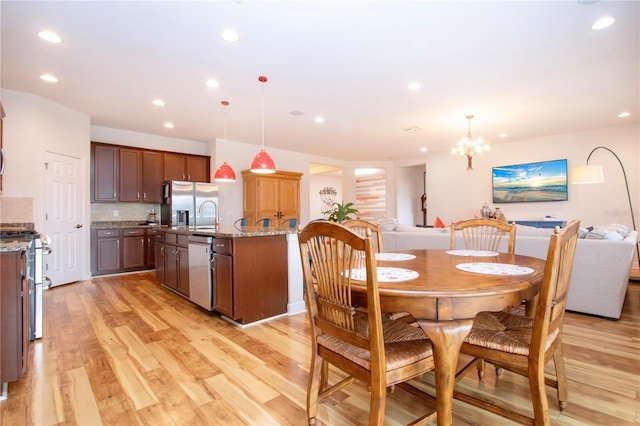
455,193
32,127
144,140
316,184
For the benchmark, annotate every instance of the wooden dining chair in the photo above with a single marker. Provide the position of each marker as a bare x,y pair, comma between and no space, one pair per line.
361,344
524,344
484,234
360,227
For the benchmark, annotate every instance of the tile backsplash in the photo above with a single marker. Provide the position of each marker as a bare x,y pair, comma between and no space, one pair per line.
16,210
122,211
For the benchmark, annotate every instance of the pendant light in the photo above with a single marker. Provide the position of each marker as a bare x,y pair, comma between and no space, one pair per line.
262,163
225,173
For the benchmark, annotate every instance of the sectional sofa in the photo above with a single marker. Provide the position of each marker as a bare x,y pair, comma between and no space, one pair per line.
601,267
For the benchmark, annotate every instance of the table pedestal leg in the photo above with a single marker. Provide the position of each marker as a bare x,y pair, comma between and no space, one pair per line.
446,338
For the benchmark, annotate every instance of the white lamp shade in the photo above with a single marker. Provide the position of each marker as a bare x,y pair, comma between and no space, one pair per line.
587,174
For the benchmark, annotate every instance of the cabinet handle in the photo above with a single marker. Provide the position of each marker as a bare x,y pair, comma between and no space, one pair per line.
213,264
114,194
118,244
162,251
144,195
142,242
137,195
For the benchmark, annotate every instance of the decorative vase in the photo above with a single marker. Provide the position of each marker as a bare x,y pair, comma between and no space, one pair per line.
485,211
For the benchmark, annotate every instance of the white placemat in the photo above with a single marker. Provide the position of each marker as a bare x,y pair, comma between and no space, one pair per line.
394,256
494,268
385,275
477,253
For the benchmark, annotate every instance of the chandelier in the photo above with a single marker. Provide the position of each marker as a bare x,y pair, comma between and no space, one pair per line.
469,146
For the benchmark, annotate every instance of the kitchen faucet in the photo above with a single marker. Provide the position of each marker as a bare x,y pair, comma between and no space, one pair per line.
201,208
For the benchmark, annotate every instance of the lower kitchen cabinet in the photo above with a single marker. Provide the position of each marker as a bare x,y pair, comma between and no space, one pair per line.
105,251
116,250
175,253
249,273
134,245
14,316
222,269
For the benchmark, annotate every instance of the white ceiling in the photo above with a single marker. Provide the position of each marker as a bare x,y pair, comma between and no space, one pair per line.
528,69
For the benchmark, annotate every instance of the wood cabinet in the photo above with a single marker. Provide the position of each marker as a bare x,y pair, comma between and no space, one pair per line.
176,262
130,175
104,173
222,270
152,177
275,196
2,115
127,174
105,250
134,243
118,250
191,168
14,316
259,277
250,274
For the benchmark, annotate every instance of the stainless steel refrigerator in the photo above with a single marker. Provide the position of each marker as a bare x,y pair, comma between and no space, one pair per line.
182,202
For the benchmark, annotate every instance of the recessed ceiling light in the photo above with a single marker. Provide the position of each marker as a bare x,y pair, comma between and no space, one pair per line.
50,78
503,135
169,125
423,149
413,86
319,119
158,102
296,113
412,129
603,22
624,114
212,83
50,37
230,35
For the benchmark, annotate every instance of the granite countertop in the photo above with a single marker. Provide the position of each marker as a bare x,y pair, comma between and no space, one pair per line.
14,245
226,231
125,224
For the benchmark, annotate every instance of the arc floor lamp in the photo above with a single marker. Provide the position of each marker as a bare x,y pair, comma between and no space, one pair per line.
593,174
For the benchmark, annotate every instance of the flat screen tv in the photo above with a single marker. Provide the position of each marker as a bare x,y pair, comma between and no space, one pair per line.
543,181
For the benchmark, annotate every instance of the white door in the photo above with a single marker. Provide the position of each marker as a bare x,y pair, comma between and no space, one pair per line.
63,219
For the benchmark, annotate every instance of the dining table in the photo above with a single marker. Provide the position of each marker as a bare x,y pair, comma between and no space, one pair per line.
444,290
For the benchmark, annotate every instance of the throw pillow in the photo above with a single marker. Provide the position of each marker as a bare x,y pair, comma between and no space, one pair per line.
620,229
603,234
439,223
387,224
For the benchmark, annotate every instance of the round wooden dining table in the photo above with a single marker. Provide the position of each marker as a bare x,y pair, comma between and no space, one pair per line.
444,290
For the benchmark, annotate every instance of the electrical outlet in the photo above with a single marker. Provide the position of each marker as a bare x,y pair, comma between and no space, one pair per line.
116,213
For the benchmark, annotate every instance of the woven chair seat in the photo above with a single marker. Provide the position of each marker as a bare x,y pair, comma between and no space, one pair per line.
505,332
403,344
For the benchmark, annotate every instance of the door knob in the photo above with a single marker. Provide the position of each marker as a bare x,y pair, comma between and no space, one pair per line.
78,226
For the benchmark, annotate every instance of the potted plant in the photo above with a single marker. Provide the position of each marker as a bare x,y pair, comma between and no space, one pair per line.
341,212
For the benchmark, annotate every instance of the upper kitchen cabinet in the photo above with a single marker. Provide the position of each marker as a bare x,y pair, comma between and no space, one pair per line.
130,178
152,177
191,168
104,172
127,174
275,196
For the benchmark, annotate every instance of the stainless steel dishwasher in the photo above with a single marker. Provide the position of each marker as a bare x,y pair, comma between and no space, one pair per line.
200,279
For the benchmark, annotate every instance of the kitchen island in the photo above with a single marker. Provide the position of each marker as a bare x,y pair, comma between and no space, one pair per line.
253,274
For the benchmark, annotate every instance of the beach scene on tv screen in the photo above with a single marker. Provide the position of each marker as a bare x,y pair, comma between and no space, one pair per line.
543,181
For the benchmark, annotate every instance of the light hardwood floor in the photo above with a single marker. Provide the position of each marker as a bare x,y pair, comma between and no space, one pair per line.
123,351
